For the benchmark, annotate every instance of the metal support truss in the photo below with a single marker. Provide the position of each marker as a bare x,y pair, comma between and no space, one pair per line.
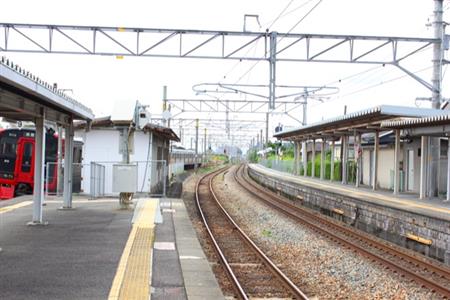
208,44
186,122
231,106
230,44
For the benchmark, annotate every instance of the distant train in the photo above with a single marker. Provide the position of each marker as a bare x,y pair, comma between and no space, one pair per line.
185,157
17,161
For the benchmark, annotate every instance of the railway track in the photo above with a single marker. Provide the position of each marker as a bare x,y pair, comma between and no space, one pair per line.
425,272
251,272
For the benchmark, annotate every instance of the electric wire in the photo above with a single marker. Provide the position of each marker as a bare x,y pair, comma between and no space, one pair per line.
276,19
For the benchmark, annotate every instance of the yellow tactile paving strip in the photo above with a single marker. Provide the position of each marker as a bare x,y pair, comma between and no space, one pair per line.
132,279
14,206
349,192
136,283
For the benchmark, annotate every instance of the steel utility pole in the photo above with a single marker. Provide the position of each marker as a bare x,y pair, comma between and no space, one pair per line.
267,127
196,137
436,95
438,54
181,132
204,146
262,139
304,150
164,109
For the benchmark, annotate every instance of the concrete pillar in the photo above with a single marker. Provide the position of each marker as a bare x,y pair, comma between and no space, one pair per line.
305,158
299,155
68,164
423,167
322,160
313,169
448,173
397,162
376,148
358,160
295,158
60,178
332,162
39,165
344,159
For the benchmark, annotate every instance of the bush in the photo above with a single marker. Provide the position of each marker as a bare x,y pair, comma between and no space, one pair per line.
252,156
337,166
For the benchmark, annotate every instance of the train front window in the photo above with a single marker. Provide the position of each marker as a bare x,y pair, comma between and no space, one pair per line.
8,147
26,157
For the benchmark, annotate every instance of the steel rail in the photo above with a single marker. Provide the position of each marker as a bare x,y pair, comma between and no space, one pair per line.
234,281
266,260
444,271
312,219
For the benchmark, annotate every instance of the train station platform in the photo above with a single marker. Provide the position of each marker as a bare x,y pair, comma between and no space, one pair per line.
98,251
433,207
404,219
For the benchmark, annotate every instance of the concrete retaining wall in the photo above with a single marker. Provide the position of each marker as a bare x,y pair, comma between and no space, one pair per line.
385,222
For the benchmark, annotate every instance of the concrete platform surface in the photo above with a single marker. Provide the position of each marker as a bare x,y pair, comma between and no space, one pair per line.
98,251
180,268
74,257
432,207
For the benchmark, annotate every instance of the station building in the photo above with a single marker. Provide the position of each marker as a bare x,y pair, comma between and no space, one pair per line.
125,137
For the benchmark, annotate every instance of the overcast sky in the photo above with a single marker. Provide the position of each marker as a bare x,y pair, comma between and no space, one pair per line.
100,81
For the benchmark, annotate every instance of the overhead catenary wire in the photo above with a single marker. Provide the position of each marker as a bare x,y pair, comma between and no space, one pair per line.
382,83
290,30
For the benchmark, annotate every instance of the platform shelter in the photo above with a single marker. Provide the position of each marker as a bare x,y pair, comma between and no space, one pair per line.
26,97
349,129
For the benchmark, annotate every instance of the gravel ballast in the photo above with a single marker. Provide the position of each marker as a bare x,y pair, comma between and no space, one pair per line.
318,266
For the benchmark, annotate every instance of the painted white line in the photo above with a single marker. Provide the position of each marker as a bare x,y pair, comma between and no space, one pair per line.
189,257
164,246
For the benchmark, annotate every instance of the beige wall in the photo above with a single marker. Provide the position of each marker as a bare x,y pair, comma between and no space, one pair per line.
366,166
385,165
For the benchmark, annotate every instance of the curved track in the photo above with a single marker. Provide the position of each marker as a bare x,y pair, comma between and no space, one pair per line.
251,272
423,271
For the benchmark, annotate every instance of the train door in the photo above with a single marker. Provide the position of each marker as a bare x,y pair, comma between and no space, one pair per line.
25,164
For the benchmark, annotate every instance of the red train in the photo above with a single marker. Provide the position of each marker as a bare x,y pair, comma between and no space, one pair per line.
17,161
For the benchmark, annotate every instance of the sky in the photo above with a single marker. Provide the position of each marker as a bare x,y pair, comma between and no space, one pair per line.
99,81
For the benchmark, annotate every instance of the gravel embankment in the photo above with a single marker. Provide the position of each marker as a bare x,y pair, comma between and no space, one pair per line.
318,266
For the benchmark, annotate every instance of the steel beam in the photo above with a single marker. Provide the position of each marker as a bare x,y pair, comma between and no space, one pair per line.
136,44
356,48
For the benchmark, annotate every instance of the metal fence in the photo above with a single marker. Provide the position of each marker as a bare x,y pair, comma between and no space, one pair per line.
54,178
279,165
96,179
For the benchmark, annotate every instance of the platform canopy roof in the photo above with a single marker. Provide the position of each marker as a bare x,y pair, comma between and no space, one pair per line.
368,120
428,126
24,96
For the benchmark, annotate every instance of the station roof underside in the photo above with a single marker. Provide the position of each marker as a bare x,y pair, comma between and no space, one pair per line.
24,97
369,120
428,126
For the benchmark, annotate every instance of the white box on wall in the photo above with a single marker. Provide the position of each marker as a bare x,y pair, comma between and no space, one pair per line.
124,178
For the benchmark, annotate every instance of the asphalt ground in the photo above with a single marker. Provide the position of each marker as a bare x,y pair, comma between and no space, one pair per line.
74,257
